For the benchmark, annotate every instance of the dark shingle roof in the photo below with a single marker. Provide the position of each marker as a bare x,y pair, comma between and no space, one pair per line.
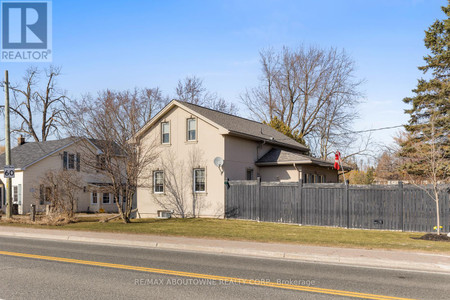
278,156
246,127
28,153
24,155
108,147
282,156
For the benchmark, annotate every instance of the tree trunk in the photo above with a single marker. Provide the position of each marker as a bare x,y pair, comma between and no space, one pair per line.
438,219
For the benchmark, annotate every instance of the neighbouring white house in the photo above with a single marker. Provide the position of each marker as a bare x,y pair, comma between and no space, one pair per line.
190,138
33,160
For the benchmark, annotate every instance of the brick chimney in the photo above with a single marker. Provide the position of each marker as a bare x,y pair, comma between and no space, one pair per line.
20,140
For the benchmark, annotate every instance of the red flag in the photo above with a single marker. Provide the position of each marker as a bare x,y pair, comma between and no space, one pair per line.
337,158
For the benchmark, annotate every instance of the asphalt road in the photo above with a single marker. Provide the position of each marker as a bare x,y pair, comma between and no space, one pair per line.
80,278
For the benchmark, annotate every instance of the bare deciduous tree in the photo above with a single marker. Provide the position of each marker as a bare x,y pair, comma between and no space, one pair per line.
192,90
179,194
176,186
152,102
110,122
311,90
428,151
38,111
60,189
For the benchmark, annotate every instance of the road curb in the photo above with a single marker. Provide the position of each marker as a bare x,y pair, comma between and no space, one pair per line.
363,261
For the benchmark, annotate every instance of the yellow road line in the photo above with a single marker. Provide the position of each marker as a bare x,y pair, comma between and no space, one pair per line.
205,276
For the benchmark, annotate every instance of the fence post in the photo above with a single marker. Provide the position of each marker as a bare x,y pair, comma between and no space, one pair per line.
347,199
299,210
402,206
33,212
258,197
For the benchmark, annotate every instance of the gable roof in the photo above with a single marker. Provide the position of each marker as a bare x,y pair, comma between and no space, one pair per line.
232,125
284,157
27,154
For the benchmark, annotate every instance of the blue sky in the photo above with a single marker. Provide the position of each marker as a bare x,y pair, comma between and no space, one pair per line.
127,44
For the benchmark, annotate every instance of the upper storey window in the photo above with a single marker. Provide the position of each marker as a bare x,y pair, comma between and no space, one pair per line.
191,129
165,133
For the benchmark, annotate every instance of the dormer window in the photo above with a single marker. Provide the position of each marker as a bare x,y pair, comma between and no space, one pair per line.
165,133
191,129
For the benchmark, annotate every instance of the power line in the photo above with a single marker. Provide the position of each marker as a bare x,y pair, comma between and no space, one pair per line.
373,129
362,131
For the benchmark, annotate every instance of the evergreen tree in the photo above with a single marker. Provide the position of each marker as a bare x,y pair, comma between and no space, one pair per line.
427,147
370,175
280,126
429,124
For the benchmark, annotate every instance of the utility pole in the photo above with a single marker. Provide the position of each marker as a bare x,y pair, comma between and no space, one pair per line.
7,149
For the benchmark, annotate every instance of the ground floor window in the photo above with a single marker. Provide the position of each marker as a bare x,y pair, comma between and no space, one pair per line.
249,174
106,198
45,194
15,194
314,178
321,179
308,178
94,198
199,180
158,182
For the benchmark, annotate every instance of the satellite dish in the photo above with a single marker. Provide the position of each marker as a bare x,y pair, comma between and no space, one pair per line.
218,161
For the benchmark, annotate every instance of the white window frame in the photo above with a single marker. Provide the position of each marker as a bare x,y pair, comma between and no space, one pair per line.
109,198
15,194
154,182
195,129
195,179
162,133
92,197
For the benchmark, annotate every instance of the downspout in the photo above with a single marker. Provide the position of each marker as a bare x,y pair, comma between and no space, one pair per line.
298,172
259,147
257,157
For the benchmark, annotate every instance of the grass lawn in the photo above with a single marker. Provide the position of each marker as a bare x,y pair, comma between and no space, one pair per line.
261,232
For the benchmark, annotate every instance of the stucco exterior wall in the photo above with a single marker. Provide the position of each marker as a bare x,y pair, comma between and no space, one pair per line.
240,155
181,157
279,173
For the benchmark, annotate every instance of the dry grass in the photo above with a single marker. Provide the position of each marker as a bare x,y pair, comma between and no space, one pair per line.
260,232
50,220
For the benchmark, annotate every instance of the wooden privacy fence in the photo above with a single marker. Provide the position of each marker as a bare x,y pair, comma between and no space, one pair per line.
393,207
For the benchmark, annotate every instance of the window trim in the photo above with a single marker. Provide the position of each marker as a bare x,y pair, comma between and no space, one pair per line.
66,160
162,132
154,182
101,162
15,194
194,180
92,197
44,194
74,161
251,170
187,129
109,198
